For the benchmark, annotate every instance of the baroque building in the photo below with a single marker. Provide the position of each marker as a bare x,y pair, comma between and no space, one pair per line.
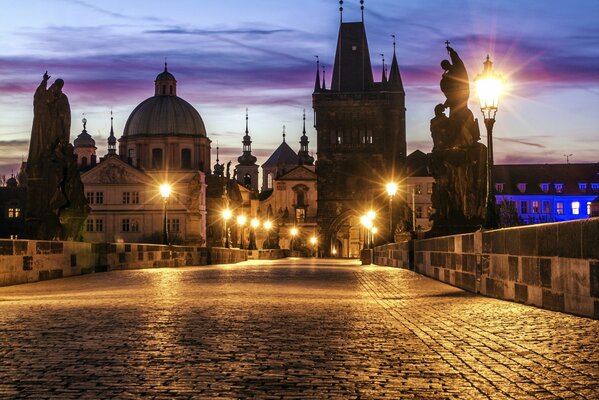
361,139
164,142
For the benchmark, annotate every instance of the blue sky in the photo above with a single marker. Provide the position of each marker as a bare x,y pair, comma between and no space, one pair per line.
228,55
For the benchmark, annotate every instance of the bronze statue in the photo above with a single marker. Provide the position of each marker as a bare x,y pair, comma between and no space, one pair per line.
56,203
457,161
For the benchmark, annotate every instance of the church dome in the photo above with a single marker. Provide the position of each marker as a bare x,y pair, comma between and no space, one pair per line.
164,115
84,139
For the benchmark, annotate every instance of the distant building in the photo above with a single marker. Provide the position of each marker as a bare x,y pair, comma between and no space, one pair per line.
361,140
13,202
164,142
418,189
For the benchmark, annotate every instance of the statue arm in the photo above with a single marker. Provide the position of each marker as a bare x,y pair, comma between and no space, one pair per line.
455,58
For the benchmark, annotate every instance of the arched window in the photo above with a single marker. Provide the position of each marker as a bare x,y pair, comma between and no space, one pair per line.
186,159
300,198
163,89
269,181
83,161
247,180
171,89
157,158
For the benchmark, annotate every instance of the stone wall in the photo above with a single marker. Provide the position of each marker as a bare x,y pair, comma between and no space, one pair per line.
554,266
117,256
222,255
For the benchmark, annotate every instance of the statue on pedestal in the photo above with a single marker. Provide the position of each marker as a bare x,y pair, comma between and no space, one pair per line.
458,160
56,206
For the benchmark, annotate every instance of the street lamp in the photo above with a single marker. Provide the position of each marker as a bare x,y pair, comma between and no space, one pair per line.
293,234
255,223
391,190
267,226
241,220
366,221
313,241
227,214
165,192
488,87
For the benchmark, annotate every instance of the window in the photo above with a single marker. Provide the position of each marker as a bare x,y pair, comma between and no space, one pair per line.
582,187
588,208
499,187
131,155
90,197
186,159
418,189
157,158
173,225
300,200
134,197
546,207
269,181
14,212
126,197
99,197
535,206
419,212
99,225
125,226
524,207
559,187
522,187
89,225
134,226
429,188
559,207
595,187
300,215
575,207
545,187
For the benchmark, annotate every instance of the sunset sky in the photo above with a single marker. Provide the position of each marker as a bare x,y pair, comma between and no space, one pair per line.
230,54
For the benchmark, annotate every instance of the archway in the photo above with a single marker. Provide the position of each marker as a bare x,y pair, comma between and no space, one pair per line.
344,235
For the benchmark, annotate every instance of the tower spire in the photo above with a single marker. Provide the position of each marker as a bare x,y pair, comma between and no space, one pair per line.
341,11
362,9
394,75
317,82
304,157
384,75
284,134
111,138
324,83
247,131
165,65
247,158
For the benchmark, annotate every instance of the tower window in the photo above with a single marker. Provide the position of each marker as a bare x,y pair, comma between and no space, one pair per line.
186,159
157,158
171,89
163,89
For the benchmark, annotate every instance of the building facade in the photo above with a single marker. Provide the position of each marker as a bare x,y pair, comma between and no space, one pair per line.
361,139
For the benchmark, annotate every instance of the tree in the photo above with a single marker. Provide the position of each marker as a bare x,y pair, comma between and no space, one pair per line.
508,214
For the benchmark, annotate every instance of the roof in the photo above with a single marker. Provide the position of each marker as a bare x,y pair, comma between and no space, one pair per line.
299,173
283,155
352,71
416,164
84,140
533,175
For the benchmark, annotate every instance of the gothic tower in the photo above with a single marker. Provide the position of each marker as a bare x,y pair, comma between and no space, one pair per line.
361,140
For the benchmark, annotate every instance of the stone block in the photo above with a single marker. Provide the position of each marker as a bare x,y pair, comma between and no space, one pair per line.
499,267
468,282
513,268
446,275
576,278
594,278
478,242
528,241
27,263
521,293
535,296
545,272
20,247
498,242
6,248
547,240
579,305
457,245
485,264
590,239
436,273
494,288
451,244
569,243
512,241
530,271
468,243
553,301
487,242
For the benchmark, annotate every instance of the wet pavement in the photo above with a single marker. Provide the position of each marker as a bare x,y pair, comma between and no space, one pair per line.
293,328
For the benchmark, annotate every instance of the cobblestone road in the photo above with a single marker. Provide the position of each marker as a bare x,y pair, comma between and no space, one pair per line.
287,329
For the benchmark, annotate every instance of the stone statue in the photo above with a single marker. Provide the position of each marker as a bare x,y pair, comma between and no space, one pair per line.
57,206
458,160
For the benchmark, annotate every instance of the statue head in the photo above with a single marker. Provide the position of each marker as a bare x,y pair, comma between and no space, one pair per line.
58,84
446,65
439,110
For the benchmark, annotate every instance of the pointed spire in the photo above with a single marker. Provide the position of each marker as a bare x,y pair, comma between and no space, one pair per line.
384,74
317,82
165,65
304,157
362,9
217,148
111,137
324,83
394,75
247,131
341,10
284,134
247,158
304,129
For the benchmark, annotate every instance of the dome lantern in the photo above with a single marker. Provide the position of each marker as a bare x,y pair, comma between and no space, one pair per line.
165,83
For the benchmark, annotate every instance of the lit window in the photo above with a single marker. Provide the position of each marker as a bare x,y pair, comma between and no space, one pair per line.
595,187
126,197
559,207
269,181
535,206
134,226
545,187
522,187
418,189
126,225
588,208
546,207
14,212
559,187
524,207
99,225
300,215
576,207
582,187
499,187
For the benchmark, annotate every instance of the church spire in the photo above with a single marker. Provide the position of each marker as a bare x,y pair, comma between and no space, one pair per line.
247,158
324,83
304,157
384,73
111,138
394,76
317,82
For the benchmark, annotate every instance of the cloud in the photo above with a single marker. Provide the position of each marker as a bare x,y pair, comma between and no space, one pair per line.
519,141
109,12
210,32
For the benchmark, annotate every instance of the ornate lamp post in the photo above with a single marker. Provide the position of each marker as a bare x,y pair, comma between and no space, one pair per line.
227,214
165,192
391,190
241,220
268,227
255,223
488,87
313,241
293,235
